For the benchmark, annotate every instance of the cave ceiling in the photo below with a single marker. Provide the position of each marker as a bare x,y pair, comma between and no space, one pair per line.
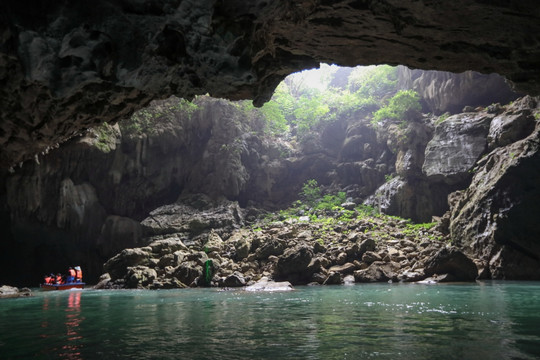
66,66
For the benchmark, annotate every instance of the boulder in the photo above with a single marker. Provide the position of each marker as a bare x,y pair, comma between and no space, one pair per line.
510,127
118,264
370,257
271,247
266,285
213,242
140,277
378,271
167,246
13,292
454,262
293,265
334,278
234,280
187,272
457,144
346,268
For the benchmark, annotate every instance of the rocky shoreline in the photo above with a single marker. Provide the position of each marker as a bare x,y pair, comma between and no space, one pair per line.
301,250
8,292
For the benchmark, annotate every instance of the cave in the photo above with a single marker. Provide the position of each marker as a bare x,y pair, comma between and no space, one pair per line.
66,69
154,144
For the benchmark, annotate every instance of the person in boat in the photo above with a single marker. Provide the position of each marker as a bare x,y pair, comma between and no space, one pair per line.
59,279
49,279
71,275
78,274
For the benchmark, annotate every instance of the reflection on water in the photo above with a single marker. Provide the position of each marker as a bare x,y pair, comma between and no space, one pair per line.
72,348
381,321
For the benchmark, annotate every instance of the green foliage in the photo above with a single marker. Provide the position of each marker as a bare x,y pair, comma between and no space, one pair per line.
388,177
373,81
308,113
311,192
144,121
442,118
331,202
399,106
106,136
275,121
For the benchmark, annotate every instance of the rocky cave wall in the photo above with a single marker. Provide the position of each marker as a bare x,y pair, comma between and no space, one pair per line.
65,66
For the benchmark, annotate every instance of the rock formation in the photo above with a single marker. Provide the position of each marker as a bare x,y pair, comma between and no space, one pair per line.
66,67
494,218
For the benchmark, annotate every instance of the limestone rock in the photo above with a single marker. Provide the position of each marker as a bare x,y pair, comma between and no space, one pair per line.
13,292
448,92
140,276
495,216
294,263
266,285
118,265
378,271
457,144
454,262
513,125
234,280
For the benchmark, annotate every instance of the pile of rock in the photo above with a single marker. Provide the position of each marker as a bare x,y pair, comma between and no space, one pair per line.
368,249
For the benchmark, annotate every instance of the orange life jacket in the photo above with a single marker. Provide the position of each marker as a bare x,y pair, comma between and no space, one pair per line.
72,272
59,279
48,280
78,275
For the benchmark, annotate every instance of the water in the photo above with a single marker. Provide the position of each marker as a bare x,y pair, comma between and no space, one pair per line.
492,320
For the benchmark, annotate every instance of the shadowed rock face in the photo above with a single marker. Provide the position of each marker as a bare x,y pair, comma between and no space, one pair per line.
66,66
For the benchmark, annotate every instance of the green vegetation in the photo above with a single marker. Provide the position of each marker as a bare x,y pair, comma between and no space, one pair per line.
106,137
325,212
442,118
145,120
400,107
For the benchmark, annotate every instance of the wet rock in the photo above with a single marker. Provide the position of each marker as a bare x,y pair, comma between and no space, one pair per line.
266,285
454,262
167,283
234,280
13,292
334,278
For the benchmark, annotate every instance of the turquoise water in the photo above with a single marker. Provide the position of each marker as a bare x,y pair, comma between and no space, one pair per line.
492,320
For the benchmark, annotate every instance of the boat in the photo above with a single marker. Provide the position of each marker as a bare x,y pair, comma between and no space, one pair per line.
66,286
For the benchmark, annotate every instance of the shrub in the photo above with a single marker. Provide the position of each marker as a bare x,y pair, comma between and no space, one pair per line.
399,106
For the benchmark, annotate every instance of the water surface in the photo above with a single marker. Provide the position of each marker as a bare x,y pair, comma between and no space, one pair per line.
491,320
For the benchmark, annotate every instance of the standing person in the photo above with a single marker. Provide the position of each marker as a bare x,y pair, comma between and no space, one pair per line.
78,273
71,275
